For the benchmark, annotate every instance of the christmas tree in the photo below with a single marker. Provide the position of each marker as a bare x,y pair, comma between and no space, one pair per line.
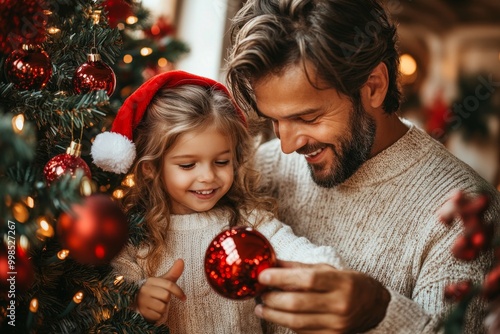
61,68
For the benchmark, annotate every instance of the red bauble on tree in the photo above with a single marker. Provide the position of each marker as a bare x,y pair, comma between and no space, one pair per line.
94,231
16,271
234,260
28,68
94,75
67,162
21,22
118,11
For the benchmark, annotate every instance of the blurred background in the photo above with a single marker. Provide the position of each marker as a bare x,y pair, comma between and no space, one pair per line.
450,64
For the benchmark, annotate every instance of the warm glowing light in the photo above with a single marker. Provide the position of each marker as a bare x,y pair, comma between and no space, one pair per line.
128,181
62,254
78,297
118,193
146,51
407,64
162,62
120,26
20,212
106,314
30,202
131,20
87,187
53,30
127,59
34,305
118,279
96,16
18,123
24,242
46,230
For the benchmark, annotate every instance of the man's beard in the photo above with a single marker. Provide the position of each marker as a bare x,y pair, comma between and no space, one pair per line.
353,152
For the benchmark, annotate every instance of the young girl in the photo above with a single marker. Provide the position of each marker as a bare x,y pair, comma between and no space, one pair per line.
192,180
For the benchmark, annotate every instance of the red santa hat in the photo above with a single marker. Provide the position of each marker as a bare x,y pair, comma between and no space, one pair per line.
114,151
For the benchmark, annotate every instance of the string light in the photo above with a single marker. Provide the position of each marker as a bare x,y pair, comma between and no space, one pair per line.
129,181
162,62
34,305
45,230
96,16
118,193
87,187
62,254
20,212
78,297
407,65
18,123
53,30
131,19
33,309
146,51
127,59
30,202
118,280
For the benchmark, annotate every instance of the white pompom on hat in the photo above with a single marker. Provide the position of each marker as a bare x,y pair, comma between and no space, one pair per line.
114,151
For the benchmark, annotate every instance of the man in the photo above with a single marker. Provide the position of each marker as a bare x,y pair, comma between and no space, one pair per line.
353,174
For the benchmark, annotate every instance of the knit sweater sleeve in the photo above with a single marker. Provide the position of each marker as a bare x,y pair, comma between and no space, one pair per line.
125,263
289,247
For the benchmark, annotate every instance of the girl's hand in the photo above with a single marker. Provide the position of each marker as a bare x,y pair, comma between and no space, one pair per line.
154,296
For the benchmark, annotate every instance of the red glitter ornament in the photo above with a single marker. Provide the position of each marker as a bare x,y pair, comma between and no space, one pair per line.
21,22
234,260
67,162
28,68
94,75
95,231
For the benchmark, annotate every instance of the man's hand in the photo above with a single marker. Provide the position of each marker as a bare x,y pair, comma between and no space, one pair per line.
321,299
154,296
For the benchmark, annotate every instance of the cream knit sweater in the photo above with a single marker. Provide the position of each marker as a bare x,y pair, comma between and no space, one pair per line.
383,222
205,311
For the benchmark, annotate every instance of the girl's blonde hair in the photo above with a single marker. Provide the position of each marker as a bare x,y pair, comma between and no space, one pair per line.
171,113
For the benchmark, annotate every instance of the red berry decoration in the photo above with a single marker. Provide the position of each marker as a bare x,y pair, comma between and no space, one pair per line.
94,231
234,260
491,284
67,162
457,291
28,68
94,75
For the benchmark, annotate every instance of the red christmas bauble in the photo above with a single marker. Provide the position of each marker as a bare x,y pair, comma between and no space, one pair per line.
94,75
234,260
95,231
64,163
118,11
16,271
21,22
28,68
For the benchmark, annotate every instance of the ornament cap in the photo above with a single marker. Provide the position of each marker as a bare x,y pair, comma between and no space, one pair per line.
74,149
93,57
